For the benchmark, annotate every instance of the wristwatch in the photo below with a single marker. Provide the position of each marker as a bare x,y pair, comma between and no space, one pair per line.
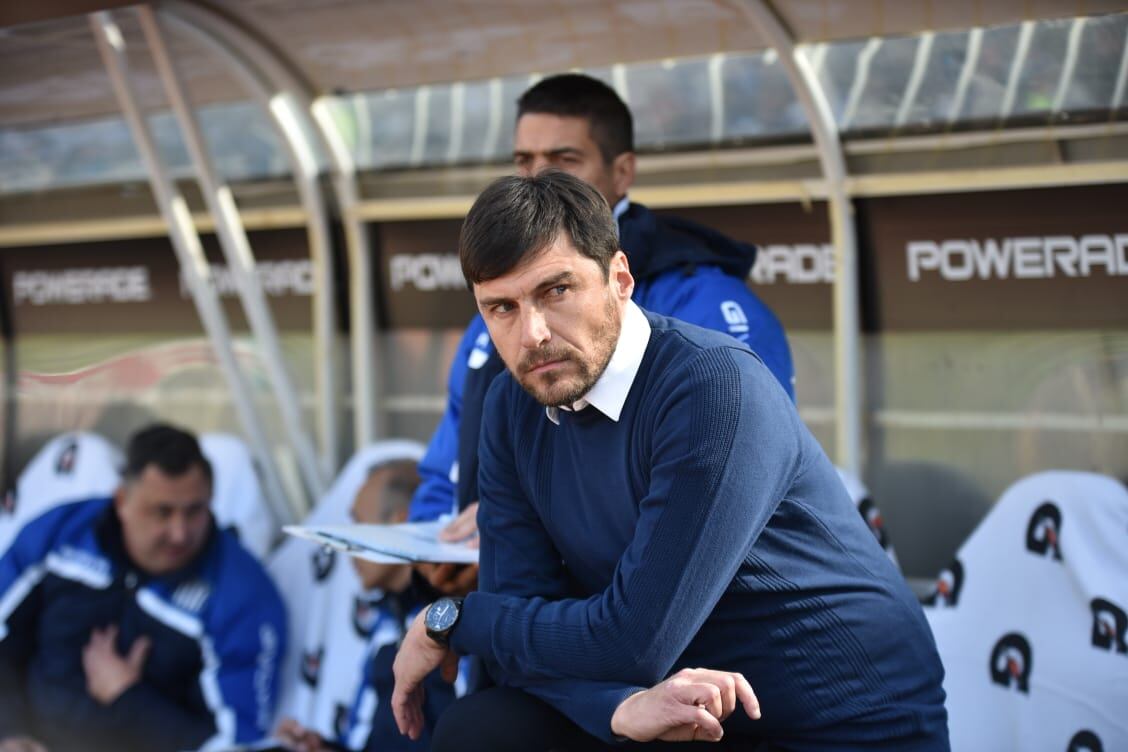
442,616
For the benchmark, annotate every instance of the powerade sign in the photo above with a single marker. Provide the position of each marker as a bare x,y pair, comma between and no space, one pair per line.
1007,260
136,285
959,259
419,279
1030,259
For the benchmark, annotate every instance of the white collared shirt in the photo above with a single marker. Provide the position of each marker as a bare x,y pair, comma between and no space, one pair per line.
619,210
609,393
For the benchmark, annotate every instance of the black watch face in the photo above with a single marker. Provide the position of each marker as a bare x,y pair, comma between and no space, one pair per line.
441,615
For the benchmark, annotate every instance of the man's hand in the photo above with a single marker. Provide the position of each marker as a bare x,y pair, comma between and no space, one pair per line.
107,673
456,579
450,579
463,528
418,656
297,736
689,706
21,744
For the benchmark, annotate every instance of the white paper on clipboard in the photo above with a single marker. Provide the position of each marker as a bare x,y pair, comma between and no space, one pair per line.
389,544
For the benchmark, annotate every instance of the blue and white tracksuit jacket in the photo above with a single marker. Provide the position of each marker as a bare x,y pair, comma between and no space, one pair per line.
218,631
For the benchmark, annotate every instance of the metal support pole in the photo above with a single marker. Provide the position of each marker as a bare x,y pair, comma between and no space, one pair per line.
847,391
283,116
189,252
367,417
240,258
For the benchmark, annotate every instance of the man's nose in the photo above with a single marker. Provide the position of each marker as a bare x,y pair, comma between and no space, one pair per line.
177,531
534,329
539,165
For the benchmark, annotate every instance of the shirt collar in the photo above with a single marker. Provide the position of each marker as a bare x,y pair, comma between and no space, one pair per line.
619,210
609,393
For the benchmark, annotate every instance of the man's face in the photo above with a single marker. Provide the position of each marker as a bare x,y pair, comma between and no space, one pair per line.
555,320
164,518
549,141
383,500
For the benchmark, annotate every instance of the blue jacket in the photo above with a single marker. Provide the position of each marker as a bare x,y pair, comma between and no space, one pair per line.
704,527
681,269
370,724
218,630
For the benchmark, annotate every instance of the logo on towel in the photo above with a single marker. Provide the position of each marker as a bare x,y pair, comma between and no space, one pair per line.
366,612
341,720
323,560
311,666
948,586
1110,626
1043,534
1085,741
872,515
1011,662
68,457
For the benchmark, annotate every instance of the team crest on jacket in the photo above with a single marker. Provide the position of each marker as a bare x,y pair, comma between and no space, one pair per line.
1110,626
68,457
323,560
1085,741
311,666
1011,662
1043,534
948,586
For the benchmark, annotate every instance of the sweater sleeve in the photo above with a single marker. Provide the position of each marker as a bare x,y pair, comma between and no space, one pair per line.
725,448
520,560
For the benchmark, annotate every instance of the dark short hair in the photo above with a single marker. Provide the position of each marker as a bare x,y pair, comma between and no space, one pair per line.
517,218
173,450
577,95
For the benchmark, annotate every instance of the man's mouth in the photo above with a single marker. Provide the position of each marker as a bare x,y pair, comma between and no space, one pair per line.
546,365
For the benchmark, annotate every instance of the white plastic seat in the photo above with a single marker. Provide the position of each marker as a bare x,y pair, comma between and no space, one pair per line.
1030,620
237,497
70,467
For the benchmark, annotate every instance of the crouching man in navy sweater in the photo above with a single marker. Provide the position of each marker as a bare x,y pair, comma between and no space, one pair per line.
651,502
134,624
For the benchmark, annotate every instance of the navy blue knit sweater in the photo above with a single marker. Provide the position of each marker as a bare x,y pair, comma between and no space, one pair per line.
705,528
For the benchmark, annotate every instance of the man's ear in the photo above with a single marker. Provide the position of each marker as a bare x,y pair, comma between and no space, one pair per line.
623,172
622,281
119,497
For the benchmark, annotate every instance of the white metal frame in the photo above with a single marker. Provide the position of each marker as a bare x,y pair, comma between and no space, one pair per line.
190,253
367,416
847,382
240,258
303,167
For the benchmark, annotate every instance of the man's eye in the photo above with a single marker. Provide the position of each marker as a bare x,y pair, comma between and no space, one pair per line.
500,308
559,290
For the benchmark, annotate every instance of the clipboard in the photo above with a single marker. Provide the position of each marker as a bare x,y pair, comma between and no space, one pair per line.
403,543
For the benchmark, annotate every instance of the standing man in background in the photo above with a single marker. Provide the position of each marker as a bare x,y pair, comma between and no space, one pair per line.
579,125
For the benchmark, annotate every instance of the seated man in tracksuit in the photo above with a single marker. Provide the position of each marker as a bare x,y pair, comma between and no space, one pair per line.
579,125
133,622
391,602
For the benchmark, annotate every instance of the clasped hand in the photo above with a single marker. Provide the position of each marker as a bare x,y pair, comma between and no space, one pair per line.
688,706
